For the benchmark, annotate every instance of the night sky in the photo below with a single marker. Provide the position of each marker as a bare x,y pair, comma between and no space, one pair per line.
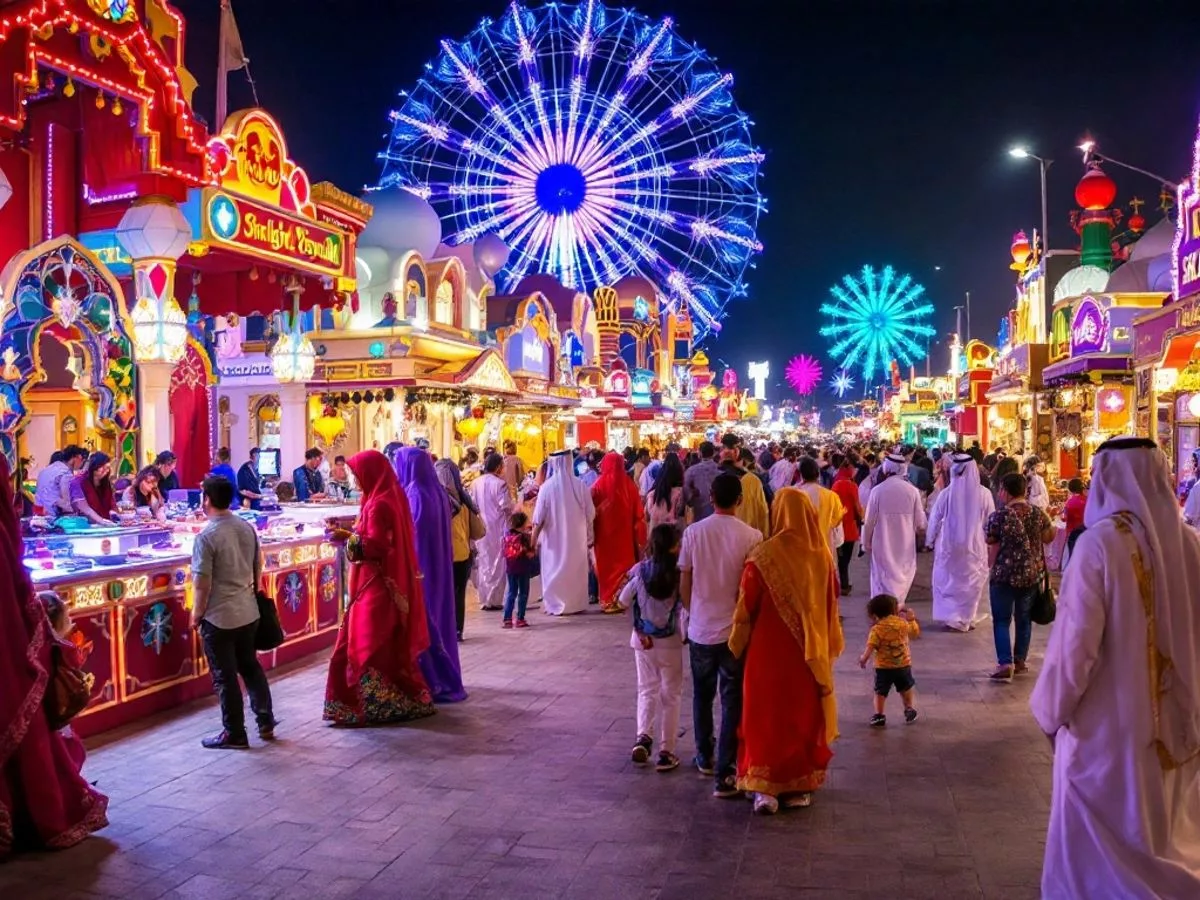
885,124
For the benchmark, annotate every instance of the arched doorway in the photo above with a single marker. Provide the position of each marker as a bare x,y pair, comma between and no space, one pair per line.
65,353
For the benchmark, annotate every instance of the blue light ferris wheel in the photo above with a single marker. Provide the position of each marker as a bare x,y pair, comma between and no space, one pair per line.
597,143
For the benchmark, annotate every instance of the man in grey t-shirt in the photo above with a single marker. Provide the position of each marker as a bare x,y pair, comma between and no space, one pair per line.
226,567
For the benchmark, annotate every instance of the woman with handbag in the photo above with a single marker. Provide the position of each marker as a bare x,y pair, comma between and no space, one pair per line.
466,525
45,804
373,674
1015,536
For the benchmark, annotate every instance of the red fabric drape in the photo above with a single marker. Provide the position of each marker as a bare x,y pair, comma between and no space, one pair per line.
189,419
44,801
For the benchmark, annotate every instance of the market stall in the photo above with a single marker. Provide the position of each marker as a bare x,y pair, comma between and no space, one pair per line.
129,590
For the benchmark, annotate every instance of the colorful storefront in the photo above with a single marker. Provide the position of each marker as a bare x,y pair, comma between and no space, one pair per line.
1167,347
268,247
1090,382
98,134
971,409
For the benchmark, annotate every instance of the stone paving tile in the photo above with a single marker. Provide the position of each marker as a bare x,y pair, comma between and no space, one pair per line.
526,791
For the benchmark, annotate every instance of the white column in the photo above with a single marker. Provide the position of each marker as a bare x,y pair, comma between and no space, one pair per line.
293,427
155,382
240,426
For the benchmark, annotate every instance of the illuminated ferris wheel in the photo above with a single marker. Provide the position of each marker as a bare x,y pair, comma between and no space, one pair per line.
597,143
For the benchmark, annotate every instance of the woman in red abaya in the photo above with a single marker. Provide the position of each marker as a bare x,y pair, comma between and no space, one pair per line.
786,625
620,528
44,802
373,674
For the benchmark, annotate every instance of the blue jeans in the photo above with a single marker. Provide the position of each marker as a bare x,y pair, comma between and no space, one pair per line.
713,665
518,593
1007,602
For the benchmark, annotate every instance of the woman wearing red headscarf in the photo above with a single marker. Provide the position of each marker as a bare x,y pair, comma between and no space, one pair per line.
44,802
373,675
620,528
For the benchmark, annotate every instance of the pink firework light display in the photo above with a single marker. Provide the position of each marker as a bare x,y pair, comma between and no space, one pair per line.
803,374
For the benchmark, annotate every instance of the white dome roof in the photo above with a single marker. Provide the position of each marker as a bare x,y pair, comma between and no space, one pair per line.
1081,280
402,222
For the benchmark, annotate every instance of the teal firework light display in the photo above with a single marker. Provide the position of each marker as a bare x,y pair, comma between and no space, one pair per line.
876,318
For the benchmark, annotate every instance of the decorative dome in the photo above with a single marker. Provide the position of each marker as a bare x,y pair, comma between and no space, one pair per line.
1137,222
1081,280
1021,249
402,222
1095,190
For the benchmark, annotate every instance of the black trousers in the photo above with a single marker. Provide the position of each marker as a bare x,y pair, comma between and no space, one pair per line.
715,667
845,553
462,575
230,653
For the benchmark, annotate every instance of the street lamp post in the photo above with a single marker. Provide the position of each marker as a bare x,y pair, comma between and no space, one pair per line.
1044,164
1088,149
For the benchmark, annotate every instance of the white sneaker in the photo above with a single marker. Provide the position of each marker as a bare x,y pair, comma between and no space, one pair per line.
798,801
765,805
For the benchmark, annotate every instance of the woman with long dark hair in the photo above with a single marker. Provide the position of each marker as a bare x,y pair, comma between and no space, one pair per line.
92,491
664,503
144,492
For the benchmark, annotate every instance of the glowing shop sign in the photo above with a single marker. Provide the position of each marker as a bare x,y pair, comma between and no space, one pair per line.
109,251
1187,236
245,369
1089,328
272,234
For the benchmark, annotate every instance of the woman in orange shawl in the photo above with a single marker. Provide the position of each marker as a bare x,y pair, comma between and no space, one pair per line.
620,528
786,624
373,674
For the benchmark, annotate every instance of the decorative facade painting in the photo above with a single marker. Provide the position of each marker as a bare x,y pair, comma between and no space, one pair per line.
59,288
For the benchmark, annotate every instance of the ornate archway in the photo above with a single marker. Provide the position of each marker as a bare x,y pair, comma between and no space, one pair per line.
60,289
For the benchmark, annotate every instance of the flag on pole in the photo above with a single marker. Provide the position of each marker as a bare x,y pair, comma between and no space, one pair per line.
232,53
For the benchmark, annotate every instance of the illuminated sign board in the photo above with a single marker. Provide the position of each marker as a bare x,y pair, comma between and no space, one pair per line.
109,251
1089,328
1187,240
272,234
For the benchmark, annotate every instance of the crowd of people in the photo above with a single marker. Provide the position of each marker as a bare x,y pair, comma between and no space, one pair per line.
735,563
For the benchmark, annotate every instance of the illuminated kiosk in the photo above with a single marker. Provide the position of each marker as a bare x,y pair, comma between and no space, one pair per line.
547,337
98,134
970,421
1089,378
409,365
1166,355
269,248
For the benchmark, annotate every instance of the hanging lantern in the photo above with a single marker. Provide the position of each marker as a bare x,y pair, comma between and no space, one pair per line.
162,338
330,426
471,428
268,413
293,357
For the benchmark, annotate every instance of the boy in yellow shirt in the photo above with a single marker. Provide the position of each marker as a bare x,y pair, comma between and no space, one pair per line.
888,640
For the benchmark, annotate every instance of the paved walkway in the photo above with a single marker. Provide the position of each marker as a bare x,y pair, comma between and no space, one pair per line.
526,791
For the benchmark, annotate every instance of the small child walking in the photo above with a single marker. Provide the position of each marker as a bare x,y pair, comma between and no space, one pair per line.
888,640
652,595
519,564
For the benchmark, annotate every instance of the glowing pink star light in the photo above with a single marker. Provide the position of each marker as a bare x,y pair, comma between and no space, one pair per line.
803,374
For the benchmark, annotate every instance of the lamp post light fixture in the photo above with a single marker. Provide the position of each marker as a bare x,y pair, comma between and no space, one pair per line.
155,234
1019,152
1088,149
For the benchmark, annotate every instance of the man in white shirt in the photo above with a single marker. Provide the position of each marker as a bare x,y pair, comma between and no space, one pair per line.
895,516
711,559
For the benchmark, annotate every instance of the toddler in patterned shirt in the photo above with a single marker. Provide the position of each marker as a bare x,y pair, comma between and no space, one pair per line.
888,640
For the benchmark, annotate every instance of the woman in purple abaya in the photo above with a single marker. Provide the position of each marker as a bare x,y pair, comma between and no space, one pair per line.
431,513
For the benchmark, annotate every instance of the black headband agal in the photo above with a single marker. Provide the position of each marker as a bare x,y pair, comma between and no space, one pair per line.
1127,443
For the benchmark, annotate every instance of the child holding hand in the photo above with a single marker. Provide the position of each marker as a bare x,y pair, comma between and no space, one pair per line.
888,640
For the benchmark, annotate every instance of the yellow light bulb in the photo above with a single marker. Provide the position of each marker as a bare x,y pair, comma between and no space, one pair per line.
99,100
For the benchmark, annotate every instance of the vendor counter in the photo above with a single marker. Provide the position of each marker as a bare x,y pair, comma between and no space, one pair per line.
130,594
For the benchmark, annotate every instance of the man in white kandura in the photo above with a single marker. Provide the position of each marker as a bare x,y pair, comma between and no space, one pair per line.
563,520
960,562
1119,692
495,504
895,515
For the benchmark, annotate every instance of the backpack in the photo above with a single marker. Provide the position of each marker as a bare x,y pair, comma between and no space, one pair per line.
515,546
